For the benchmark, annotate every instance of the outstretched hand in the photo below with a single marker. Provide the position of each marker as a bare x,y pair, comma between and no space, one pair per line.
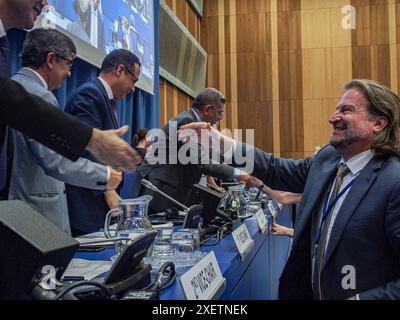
109,148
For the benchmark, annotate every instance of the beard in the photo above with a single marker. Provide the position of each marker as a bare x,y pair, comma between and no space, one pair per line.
350,135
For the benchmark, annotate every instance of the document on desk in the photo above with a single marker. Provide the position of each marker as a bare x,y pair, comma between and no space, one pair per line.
96,236
88,269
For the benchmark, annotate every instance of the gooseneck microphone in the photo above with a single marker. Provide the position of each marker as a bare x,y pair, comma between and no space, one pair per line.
151,186
193,214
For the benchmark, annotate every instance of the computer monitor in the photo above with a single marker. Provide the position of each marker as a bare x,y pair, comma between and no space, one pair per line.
206,197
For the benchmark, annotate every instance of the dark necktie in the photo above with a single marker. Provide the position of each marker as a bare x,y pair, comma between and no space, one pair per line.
5,69
320,254
5,66
114,109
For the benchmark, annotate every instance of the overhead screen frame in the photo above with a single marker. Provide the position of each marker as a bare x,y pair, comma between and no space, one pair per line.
95,56
171,76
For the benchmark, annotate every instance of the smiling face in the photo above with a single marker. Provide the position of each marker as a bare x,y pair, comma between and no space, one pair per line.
25,12
354,129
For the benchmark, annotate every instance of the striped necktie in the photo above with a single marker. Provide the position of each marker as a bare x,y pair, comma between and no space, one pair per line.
320,254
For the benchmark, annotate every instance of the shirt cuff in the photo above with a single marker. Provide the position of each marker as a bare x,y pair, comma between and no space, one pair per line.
108,173
236,173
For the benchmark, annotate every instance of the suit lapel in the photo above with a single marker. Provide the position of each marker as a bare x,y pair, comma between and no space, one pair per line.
107,102
358,190
318,185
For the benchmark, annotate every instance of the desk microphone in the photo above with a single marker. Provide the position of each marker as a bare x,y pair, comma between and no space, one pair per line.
193,213
151,186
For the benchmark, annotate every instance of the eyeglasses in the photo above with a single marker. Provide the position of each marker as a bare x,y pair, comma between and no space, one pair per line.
132,76
69,62
220,112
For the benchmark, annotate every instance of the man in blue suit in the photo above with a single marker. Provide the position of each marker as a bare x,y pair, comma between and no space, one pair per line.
94,103
39,173
346,241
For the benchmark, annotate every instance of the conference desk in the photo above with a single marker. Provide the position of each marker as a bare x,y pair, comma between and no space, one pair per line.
254,278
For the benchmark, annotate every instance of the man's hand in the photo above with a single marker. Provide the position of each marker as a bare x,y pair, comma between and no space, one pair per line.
279,230
248,180
112,199
115,179
109,148
194,131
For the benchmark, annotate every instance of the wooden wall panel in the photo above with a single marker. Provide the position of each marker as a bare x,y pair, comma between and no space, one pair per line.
173,100
282,63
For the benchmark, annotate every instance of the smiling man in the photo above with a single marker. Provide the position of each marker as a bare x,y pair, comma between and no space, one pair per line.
346,241
39,173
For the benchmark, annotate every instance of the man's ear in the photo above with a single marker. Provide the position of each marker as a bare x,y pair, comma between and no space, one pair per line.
51,56
380,124
120,69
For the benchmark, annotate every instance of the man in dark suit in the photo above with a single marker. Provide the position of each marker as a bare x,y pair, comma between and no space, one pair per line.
94,103
347,236
173,177
41,121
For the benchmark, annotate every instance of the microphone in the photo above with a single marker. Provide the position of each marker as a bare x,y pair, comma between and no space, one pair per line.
151,186
193,214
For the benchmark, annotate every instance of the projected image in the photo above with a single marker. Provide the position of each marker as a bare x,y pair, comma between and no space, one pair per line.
110,24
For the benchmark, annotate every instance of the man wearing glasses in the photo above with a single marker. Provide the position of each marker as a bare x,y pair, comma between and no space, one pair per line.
39,173
175,178
95,103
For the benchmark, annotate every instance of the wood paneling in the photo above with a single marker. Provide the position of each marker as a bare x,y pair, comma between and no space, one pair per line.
282,63
173,100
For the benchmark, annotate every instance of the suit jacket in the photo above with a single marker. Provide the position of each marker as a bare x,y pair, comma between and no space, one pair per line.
39,173
365,234
38,119
175,180
90,103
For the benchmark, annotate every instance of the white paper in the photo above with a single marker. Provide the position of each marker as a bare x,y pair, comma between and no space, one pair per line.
89,269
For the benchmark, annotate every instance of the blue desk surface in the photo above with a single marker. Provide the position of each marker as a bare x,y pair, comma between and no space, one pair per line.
257,266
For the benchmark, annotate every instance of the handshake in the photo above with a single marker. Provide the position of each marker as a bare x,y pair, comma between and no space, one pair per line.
250,181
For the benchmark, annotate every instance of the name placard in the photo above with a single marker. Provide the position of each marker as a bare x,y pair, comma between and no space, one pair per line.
243,241
204,280
262,221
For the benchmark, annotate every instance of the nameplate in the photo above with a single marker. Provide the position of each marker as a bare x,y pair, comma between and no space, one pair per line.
204,280
262,221
272,209
243,240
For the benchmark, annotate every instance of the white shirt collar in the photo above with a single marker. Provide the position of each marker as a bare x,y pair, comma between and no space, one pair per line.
358,162
40,78
196,115
108,88
2,30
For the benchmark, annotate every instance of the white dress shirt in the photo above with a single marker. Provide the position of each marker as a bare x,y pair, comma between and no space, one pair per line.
355,164
2,30
107,88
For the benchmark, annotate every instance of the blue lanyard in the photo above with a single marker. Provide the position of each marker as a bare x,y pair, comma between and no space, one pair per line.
327,209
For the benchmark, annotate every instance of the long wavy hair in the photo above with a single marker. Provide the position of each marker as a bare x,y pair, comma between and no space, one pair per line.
382,102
